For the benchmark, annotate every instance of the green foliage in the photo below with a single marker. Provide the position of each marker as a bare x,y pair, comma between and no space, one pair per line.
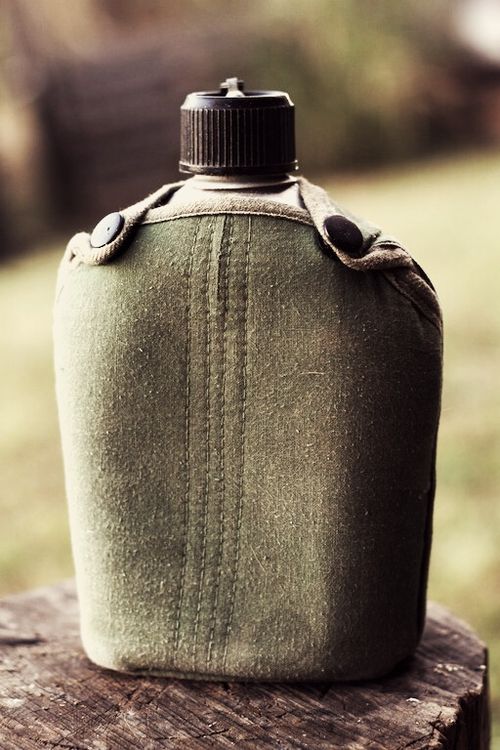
34,544
360,73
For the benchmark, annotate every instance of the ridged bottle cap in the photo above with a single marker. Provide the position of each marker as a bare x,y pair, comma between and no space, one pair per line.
232,131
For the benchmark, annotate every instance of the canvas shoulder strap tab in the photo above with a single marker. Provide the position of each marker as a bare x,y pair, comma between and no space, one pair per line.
80,246
364,247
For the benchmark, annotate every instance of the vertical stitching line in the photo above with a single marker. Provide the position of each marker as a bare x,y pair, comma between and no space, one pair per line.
222,520
242,448
207,454
187,438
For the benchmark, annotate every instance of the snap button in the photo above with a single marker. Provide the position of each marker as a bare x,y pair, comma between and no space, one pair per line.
344,234
107,230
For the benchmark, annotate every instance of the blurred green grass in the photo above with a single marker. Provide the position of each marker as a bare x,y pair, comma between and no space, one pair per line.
445,211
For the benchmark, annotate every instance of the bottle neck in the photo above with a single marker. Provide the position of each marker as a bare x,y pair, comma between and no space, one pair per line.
241,182
280,188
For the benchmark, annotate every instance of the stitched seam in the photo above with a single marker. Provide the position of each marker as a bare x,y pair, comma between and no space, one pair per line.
187,438
208,429
428,316
242,449
218,212
222,478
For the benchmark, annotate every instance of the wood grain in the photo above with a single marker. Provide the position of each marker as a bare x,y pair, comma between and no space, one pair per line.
51,696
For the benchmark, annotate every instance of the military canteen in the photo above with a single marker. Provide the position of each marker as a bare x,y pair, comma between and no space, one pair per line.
248,381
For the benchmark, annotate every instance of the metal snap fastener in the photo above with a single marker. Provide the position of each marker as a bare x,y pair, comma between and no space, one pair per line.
107,230
344,234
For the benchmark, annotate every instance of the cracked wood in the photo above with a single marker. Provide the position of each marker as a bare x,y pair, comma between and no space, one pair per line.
51,696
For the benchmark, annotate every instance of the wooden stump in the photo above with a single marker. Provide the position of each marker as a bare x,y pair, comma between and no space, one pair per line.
51,696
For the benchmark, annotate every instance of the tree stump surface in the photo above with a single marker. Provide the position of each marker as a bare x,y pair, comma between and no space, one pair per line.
52,696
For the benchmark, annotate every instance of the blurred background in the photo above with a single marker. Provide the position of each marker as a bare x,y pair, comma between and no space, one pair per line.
398,115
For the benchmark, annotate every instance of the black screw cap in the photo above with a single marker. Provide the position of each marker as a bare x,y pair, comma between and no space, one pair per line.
232,131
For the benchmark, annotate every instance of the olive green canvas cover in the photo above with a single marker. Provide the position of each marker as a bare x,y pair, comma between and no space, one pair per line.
248,419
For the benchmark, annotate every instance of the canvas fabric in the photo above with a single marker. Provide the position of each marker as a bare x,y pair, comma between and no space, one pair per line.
248,420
